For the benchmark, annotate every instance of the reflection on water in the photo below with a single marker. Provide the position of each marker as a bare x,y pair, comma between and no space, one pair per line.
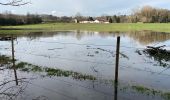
147,37
79,65
143,37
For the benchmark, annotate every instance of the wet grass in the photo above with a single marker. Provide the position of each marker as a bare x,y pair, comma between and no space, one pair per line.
5,60
148,91
27,67
36,68
23,66
122,27
20,65
145,90
166,96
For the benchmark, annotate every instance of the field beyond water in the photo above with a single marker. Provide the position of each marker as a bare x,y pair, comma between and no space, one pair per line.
122,27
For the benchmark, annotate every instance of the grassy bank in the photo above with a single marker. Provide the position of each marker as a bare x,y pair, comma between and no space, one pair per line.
123,27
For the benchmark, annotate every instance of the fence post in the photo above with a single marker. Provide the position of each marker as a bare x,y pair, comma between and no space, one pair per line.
115,91
13,60
117,59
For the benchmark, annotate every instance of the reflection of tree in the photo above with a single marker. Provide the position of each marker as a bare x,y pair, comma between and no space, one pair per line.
9,90
148,37
143,37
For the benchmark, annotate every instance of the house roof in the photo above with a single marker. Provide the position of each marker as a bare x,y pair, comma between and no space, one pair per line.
102,19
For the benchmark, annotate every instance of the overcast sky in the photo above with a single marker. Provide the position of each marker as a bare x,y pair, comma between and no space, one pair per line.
85,7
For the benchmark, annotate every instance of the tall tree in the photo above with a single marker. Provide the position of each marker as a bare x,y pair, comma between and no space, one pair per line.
110,20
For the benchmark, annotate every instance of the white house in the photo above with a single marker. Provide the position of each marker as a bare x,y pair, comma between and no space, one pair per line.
75,20
96,21
106,22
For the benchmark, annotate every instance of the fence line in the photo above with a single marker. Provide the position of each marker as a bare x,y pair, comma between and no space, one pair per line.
75,84
66,58
70,43
138,69
83,44
70,59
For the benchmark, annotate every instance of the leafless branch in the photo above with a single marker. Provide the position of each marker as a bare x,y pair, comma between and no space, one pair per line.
15,3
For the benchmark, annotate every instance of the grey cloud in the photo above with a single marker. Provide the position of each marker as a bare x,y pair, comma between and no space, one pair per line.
85,7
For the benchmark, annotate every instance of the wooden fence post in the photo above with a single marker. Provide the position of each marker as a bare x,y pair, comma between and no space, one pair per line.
117,60
13,60
115,91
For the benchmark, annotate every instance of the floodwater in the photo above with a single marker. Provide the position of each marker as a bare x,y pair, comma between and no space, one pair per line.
80,65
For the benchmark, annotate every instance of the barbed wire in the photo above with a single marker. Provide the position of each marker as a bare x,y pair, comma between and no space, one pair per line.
81,60
138,69
66,43
64,58
83,44
132,47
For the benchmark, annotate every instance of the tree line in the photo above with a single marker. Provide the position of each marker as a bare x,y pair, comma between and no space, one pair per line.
146,14
12,19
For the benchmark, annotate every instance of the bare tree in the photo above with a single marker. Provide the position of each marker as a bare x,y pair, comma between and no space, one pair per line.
14,3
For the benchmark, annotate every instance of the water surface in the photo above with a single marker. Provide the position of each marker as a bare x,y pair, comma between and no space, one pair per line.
80,65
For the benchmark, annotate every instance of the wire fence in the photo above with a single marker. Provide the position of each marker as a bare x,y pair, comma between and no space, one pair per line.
84,44
85,60
88,61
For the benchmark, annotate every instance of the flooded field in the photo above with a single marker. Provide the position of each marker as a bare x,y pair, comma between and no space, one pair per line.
79,65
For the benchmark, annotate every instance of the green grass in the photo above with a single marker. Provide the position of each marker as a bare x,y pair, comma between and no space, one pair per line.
122,27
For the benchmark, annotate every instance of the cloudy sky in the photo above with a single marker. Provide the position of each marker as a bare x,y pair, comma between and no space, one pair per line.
85,7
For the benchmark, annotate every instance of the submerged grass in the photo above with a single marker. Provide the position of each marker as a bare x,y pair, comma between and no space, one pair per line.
166,96
52,72
5,60
122,27
148,91
23,66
